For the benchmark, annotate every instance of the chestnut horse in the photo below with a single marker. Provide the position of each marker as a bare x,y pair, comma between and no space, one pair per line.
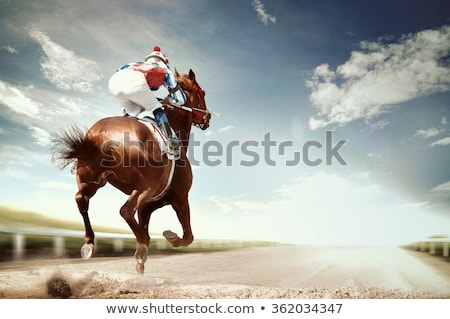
123,152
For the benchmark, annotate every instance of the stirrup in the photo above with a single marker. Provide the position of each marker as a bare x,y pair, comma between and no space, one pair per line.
175,147
175,143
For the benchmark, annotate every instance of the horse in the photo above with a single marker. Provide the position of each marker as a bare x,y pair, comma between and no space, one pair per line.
123,152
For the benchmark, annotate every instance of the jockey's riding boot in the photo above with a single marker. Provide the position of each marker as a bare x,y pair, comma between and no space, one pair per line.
174,142
163,122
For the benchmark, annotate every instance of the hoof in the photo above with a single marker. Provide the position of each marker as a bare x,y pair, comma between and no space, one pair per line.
87,250
170,235
141,255
140,268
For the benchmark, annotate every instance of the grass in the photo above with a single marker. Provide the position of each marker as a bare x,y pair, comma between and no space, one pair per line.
10,217
42,246
438,247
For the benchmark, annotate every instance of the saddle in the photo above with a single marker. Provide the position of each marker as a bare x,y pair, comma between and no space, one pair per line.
148,120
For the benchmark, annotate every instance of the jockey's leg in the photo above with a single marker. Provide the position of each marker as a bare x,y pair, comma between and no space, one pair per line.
163,122
131,91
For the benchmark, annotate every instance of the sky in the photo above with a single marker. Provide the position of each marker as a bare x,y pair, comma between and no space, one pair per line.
335,114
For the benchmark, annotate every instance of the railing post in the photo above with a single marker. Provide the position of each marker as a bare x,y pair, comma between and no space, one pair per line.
18,246
432,247
162,244
118,244
446,250
58,246
422,246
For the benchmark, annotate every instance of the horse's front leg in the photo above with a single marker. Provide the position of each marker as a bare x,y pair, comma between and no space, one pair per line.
181,207
145,212
85,192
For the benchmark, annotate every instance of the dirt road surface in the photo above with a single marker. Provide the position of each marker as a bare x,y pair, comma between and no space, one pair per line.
285,271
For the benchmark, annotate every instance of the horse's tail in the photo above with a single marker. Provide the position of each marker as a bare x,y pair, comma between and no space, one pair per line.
73,145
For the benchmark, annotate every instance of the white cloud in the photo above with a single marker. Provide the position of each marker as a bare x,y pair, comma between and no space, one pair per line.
434,131
332,186
209,133
381,75
18,174
70,106
442,188
321,208
441,142
440,193
10,49
238,203
41,136
59,185
63,68
379,125
226,128
17,101
37,107
223,204
428,132
11,155
263,16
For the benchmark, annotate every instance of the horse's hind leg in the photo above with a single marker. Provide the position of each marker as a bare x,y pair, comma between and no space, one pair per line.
128,211
85,192
181,207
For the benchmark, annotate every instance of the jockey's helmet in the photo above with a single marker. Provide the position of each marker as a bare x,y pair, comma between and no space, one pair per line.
157,54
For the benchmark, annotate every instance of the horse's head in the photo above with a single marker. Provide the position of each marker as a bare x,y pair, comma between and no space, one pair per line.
195,99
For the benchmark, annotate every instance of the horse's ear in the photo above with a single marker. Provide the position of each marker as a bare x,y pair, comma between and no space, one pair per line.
192,75
176,73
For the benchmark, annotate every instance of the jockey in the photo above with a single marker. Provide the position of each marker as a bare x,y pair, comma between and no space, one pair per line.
132,86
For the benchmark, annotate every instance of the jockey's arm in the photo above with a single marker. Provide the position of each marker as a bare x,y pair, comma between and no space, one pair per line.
178,97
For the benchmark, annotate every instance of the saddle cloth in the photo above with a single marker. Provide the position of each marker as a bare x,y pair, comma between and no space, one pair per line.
148,120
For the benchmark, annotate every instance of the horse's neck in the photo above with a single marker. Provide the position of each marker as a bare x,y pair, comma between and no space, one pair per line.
182,128
182,124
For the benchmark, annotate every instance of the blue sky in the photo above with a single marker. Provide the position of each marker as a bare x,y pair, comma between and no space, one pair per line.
373,73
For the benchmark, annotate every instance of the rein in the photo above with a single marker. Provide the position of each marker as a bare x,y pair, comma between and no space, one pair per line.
197,112
194,110
187,108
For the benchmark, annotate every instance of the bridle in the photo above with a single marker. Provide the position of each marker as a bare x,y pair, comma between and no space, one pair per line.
200,113
201,116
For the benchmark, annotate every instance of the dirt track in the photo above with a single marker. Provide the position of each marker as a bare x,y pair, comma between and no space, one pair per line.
270,272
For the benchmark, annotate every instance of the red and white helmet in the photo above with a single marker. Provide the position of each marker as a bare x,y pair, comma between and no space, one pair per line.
157,54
